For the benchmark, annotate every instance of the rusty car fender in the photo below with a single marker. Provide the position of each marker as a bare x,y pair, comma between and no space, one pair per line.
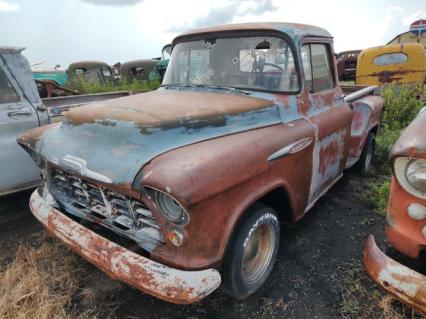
366,117
404,283
173,285
412,142
211,177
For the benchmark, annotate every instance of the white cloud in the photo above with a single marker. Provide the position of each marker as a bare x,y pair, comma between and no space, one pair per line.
8,7
397,21
114,2
226,13
414,17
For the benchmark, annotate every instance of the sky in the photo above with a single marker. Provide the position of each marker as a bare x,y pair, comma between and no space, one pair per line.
65,31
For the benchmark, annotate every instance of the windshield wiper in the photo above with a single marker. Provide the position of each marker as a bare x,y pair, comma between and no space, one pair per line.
218,87
179,85
207,86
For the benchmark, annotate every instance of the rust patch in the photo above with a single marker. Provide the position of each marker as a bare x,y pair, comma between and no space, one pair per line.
161,107
402,282
158,280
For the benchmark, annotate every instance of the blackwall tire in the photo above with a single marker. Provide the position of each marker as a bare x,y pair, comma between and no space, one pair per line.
366,159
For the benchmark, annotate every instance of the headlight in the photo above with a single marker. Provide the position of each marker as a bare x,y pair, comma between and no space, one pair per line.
168,206
411,175
416,174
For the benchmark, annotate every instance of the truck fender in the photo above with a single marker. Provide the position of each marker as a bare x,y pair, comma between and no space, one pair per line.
366,115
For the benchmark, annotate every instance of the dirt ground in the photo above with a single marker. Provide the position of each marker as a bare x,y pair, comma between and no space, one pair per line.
318,274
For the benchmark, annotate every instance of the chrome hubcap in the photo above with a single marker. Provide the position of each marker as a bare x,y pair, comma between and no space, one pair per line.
258,253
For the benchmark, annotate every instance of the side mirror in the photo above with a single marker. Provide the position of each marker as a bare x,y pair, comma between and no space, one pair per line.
423,109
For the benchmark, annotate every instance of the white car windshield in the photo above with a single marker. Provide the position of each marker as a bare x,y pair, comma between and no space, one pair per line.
257,63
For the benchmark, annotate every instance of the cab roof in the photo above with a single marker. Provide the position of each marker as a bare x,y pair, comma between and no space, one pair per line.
295,31
6,49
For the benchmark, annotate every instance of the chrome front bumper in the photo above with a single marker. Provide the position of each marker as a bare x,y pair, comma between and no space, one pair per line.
404,283
173,285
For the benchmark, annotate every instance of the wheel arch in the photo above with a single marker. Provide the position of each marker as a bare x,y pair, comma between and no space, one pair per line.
278,198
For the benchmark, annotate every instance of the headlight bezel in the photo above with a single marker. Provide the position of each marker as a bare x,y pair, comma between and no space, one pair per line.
160,197
401,166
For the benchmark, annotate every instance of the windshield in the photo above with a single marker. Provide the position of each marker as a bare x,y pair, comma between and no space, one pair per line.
263,63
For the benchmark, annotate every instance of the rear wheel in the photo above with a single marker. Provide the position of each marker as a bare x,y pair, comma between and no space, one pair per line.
252,252
364,162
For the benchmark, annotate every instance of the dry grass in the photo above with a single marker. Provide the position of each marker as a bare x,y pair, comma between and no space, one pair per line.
362,299
40,283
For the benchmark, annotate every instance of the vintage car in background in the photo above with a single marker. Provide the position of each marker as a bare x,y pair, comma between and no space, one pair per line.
55,74
405,218
20,110
395,63
137,69
50,81
248,130
346,65
91,71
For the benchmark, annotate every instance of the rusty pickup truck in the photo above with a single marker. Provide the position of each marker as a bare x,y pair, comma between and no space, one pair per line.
180,189
405,219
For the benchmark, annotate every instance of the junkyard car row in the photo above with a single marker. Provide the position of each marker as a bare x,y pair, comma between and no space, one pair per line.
249,128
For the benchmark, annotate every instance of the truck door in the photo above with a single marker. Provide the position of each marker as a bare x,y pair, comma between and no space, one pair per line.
329,115
17,115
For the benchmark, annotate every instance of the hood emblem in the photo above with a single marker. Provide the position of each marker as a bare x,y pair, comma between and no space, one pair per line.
79,166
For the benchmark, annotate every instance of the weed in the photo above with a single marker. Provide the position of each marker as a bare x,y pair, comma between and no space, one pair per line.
400,107
362,299
85,87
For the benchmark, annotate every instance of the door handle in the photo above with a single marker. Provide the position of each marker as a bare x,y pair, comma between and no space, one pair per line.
19,113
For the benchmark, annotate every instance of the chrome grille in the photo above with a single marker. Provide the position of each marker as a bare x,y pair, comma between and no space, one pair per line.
113,210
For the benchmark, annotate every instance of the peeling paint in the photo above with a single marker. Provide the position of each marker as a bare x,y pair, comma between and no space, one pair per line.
166,283
402,282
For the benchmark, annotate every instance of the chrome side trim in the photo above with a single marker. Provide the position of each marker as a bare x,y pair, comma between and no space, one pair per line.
290,149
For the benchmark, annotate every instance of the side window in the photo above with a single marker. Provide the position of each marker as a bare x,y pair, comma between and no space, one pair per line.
79,71
321,70
307,70
7,92
106,72
318,70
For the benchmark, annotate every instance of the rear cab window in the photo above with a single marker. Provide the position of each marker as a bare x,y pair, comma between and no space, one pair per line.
390,58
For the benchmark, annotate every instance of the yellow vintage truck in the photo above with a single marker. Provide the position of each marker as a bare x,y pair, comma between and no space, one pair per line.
395,63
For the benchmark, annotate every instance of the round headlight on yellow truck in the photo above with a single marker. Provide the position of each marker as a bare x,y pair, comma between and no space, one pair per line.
411,175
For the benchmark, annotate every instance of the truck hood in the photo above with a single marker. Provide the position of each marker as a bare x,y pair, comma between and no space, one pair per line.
115,139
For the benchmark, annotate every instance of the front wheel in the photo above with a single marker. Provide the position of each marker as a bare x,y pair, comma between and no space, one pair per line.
364,162
252,252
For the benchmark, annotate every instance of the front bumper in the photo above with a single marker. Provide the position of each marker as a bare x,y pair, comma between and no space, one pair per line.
404,283
173,285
